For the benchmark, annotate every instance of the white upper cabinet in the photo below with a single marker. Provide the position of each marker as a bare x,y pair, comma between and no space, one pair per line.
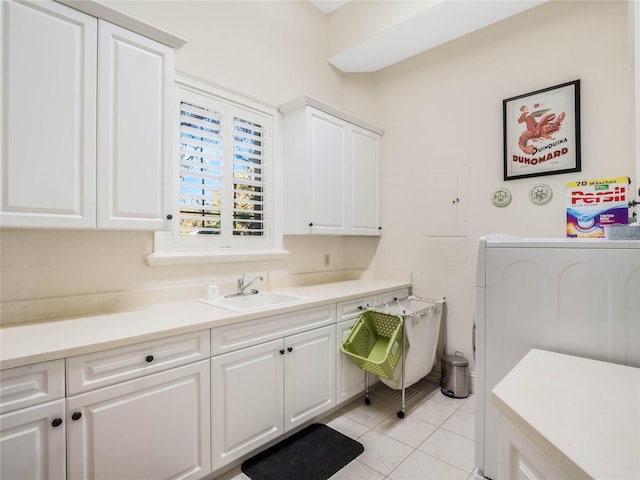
326,138
48,108
331,171
135,81
364,194
86,114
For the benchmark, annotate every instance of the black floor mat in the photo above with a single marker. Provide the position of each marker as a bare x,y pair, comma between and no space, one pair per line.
314,453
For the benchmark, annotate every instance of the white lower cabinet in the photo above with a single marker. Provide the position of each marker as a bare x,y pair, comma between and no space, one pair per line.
309,375
154,427
263,391
32,443
246,400
520,459
32,422
350,378
167,409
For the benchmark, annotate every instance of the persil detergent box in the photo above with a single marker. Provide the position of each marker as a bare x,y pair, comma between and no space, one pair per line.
592,204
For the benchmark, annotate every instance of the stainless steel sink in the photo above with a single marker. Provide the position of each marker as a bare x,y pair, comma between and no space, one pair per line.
244,303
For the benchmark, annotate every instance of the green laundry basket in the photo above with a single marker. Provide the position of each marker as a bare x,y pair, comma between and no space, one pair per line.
375,342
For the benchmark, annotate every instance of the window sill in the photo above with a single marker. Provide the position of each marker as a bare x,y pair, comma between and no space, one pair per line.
224,256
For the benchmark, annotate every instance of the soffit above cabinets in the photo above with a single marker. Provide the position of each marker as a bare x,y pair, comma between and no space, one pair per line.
112,15
439,22
328,6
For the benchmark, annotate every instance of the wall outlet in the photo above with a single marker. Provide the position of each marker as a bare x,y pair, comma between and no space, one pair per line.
327,259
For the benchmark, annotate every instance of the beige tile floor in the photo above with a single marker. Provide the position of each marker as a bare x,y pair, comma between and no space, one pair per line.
435,439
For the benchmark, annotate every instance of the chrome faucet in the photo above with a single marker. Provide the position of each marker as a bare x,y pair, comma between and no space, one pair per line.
242,286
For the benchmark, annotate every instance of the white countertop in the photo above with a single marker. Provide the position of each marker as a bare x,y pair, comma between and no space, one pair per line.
27,343
582,414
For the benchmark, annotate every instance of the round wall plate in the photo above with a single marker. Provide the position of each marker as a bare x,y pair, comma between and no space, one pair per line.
501,197
540,193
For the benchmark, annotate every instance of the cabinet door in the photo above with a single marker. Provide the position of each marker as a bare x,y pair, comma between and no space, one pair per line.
155,427
364,193
246,400
350,377
326,144
32,443
135,81
521,459
310,375
48,108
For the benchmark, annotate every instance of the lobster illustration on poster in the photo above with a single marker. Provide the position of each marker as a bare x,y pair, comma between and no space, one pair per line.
542,132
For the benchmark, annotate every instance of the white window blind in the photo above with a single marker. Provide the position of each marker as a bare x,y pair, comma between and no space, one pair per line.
201,170
248,178
224,197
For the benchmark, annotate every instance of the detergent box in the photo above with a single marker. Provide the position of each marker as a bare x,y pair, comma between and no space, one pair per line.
594,204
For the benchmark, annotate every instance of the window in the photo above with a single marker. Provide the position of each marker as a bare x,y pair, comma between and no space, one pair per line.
225,177
205,206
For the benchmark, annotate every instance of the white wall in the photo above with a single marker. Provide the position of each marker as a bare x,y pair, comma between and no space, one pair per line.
439,110
443,109
272,51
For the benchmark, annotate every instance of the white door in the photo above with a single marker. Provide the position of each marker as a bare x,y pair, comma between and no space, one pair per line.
135,85
246,400
364,198
32,443
326,144
48,107
350,377
310,366
155,427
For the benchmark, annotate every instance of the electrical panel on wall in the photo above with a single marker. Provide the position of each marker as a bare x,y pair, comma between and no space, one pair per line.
446,198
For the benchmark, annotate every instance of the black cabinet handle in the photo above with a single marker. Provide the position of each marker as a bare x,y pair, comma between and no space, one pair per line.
56,422
169,217
360,307
76,416
311,224
282,352
149,358
379,228
289,349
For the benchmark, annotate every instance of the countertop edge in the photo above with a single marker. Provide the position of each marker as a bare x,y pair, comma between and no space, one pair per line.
548,385
68,337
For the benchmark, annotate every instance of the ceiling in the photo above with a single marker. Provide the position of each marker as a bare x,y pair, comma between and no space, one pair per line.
443,21
328,6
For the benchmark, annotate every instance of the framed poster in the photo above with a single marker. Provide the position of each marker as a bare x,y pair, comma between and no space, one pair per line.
542,132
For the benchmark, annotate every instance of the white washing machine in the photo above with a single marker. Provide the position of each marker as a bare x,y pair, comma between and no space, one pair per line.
574,296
